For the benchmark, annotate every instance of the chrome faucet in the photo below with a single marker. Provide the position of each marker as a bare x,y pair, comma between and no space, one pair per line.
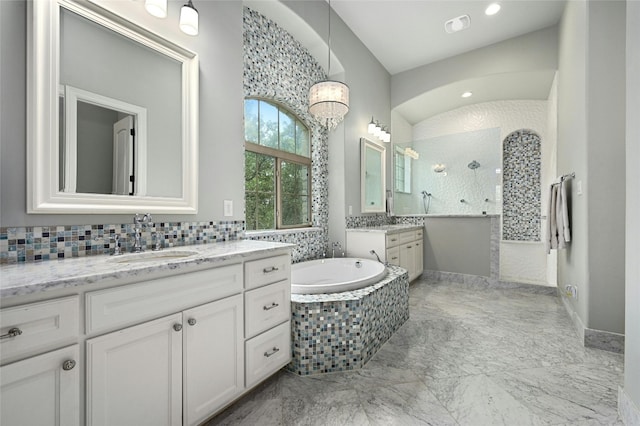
138,223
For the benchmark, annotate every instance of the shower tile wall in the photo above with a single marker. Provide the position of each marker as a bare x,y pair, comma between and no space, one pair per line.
277,67
39,243
521,198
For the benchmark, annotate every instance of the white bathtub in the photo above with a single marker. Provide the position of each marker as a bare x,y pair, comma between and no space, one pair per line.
335,275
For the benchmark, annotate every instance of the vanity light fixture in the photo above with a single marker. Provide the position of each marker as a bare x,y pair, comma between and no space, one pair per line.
492,9
379,131
189,19
329,99
467,94
411,153
439,168
157,8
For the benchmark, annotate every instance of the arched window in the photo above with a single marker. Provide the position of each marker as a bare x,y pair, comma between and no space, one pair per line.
277,167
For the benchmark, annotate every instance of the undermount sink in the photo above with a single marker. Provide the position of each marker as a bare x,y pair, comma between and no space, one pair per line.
152,256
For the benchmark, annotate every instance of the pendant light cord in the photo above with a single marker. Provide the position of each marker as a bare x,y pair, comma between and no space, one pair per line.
329,42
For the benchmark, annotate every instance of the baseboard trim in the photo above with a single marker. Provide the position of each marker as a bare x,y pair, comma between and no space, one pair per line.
627,410
592,338
478,281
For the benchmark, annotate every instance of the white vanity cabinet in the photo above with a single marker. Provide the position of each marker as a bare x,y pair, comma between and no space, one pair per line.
40,375
396,245
186,364
150,345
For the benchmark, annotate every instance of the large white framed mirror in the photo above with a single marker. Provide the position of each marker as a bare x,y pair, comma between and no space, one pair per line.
113,115
372,177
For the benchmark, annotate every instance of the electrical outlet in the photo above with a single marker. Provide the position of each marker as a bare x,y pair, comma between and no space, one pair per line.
571,291
350,210
228,207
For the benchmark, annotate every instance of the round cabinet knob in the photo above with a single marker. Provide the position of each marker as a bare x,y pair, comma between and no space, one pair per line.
177,327
192,321
68,365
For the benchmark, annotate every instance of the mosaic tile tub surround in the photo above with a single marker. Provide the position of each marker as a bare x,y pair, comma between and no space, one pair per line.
342,331
40,243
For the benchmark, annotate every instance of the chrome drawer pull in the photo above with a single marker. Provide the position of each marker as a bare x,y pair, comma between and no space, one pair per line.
269,269
13,332
68,365
273,352
268,308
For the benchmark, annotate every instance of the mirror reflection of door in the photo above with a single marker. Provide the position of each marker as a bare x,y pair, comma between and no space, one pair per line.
104,142
123,156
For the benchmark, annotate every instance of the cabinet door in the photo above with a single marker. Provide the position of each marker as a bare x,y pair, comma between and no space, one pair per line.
213,357
419,251
408,259
41,390
134,376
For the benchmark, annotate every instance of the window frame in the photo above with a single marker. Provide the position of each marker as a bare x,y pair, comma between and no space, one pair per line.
279,157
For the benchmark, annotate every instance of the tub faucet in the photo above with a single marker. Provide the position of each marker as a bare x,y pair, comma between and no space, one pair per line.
373,252
138,223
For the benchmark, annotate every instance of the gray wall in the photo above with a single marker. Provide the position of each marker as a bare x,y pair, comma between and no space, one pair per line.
533,51
632,314
458,244
591,143
221,176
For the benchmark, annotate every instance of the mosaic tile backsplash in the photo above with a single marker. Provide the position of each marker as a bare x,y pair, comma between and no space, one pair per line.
342,331
521,194
279,68
40,243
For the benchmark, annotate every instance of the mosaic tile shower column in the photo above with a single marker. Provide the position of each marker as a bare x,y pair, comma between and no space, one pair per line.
521,203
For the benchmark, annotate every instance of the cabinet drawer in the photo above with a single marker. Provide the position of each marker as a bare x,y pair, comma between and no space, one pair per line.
393,256
418,234
266,306
266,271
267,353
131,304
406,237
43,326
393,240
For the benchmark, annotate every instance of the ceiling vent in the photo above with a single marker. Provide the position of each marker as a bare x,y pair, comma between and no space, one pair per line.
457,24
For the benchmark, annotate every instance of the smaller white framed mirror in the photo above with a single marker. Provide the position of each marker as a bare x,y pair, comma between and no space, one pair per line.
372,177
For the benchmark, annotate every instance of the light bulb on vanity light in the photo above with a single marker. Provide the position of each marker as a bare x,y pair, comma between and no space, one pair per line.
371,128
157,8
377,131
386,136
189,19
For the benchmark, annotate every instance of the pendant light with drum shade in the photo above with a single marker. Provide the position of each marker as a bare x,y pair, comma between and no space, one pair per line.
329,99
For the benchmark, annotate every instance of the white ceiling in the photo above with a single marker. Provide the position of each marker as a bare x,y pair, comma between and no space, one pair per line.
405,34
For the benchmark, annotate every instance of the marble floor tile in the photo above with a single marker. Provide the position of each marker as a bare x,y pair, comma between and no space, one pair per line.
468,355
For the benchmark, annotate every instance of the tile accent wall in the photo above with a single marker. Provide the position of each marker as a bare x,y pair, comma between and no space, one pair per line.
521,195
39,243
364,221
277,67
342,331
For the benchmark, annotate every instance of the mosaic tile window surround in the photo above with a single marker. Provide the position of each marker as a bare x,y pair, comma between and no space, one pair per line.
278,68
521,194
342,331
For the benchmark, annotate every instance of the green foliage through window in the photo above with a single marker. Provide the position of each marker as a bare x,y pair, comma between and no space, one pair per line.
277,167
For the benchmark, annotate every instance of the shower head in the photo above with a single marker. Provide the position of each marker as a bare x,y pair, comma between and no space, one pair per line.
473,165
425,194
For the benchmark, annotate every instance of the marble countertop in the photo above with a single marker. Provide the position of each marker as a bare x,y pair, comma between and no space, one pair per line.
387,229
28,278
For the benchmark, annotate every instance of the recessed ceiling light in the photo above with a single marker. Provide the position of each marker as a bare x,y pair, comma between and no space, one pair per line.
492,9
467,94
